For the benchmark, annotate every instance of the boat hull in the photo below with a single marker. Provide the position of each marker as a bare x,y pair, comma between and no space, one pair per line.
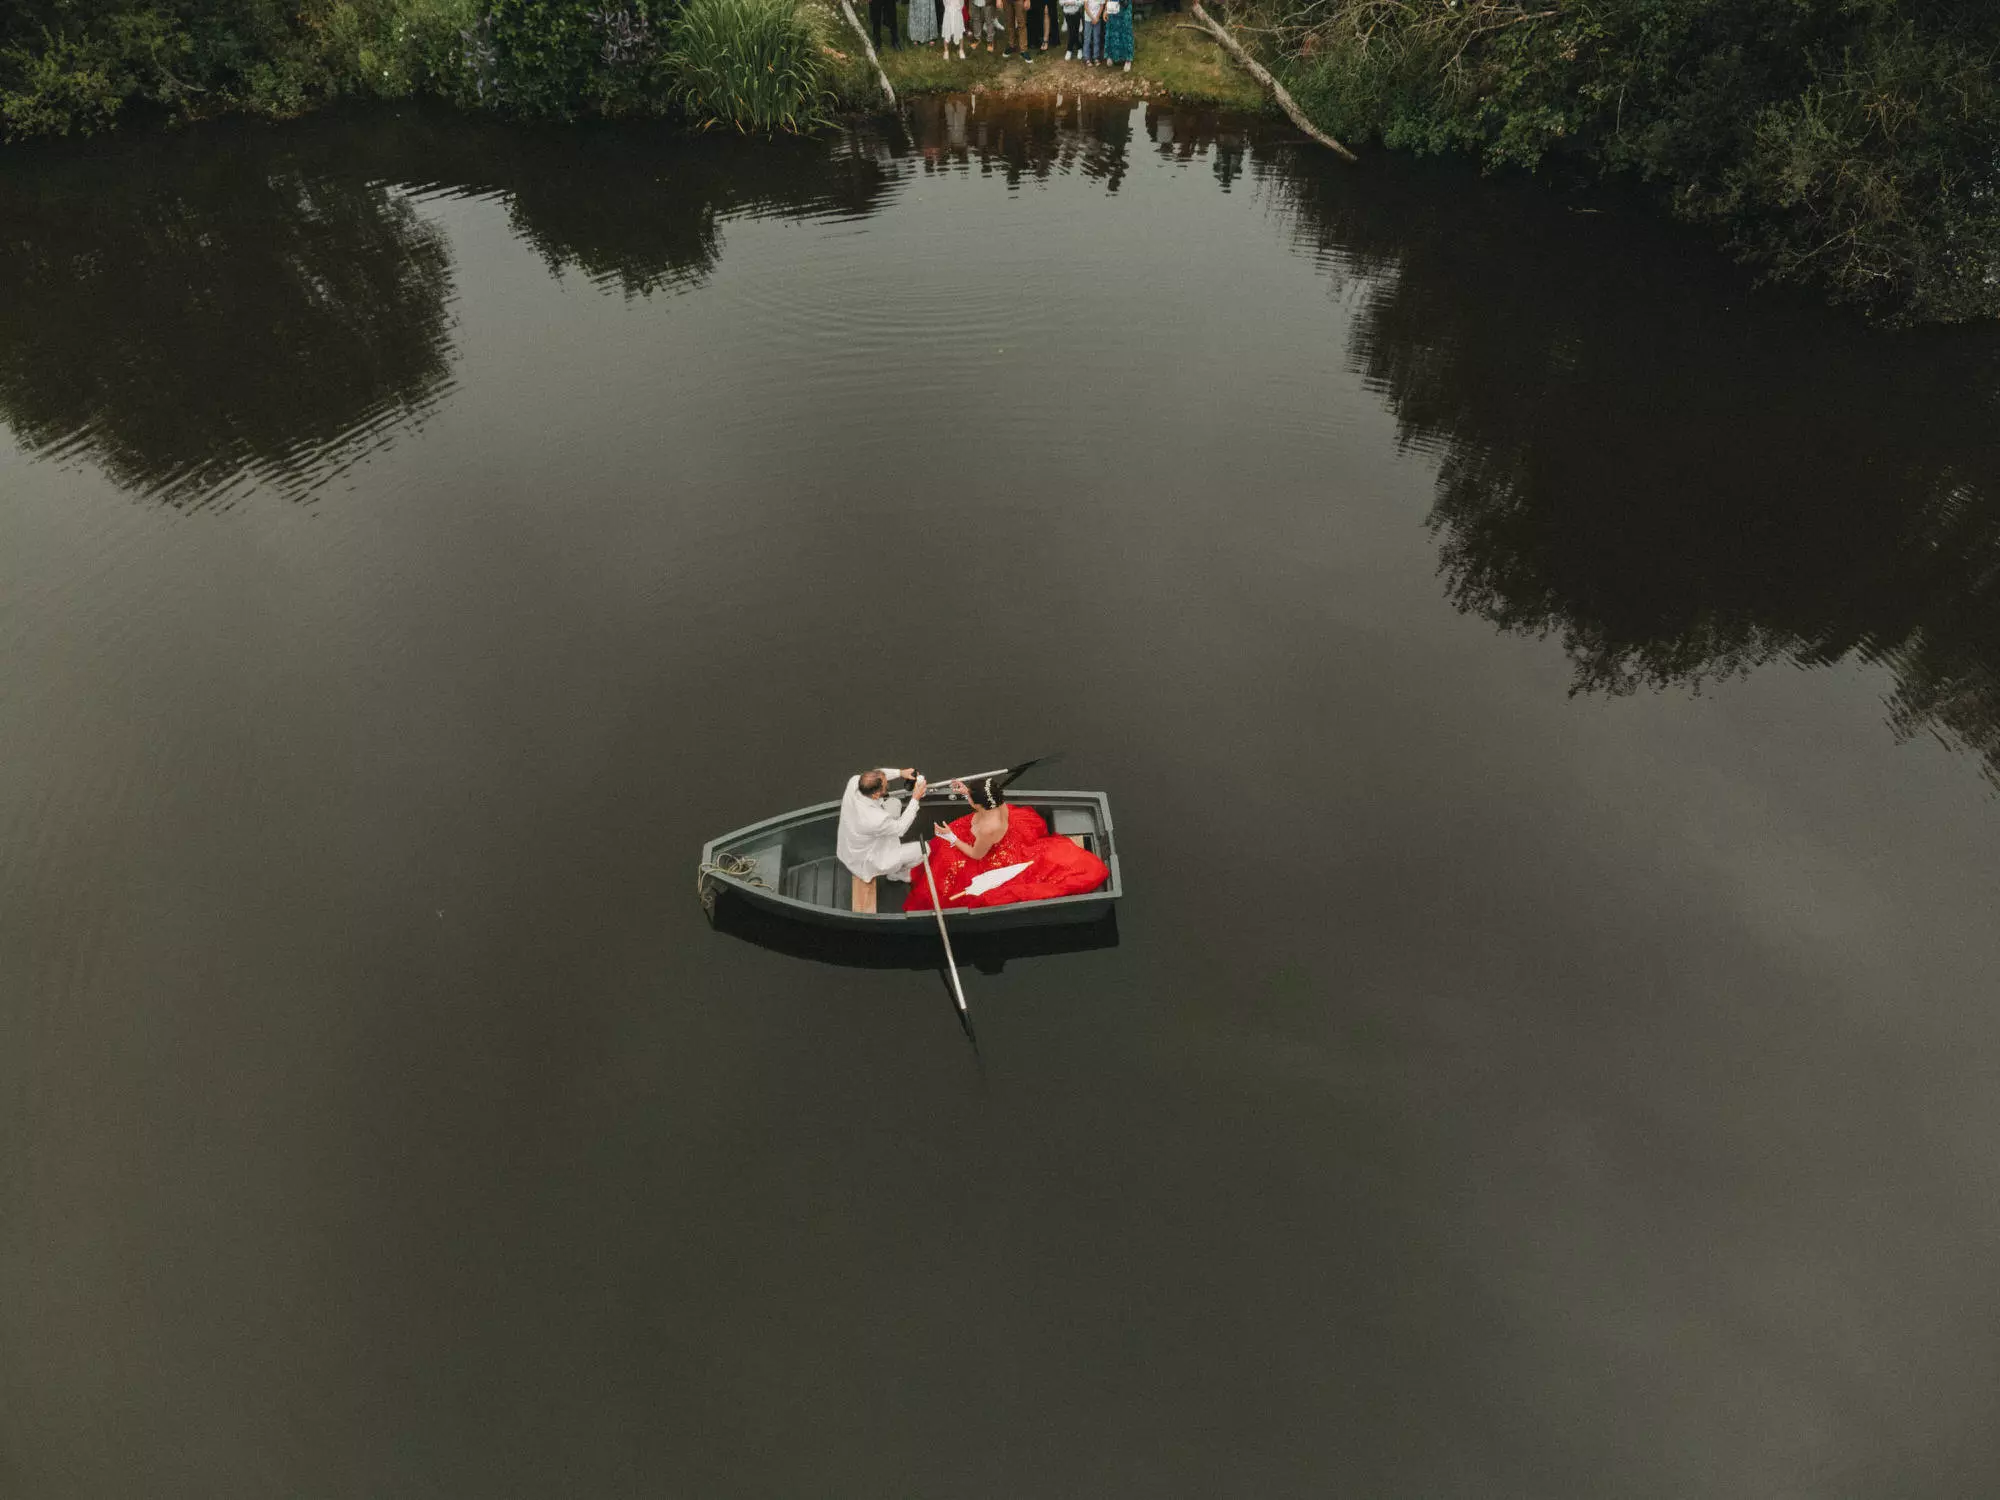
1069,909
797,879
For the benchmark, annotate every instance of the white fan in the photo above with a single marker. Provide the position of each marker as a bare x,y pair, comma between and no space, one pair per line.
981,884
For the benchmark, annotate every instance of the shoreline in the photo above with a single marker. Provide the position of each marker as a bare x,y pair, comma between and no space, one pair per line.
1175,61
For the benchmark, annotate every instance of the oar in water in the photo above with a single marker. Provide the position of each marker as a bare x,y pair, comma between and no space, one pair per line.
950,962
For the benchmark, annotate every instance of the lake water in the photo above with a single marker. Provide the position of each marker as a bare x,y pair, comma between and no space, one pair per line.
1550,697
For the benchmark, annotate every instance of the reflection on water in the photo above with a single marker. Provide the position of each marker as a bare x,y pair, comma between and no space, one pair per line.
641,211
1680,482
183,316
198,312
1489,1093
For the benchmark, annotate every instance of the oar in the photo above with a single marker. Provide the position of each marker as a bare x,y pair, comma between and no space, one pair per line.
941,785
951,962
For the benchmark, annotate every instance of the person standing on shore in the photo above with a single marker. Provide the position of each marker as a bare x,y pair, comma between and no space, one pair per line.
921,29
878,12
979,15
953,30
1073,29
1093,32
1014,26
1118,45
1042,21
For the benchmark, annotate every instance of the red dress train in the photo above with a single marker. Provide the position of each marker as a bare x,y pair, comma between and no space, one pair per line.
1057,866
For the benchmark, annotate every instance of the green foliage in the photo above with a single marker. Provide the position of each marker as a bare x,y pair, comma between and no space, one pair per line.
1885,170
555,59
392,48
751,64
1850,143
63,87
75,66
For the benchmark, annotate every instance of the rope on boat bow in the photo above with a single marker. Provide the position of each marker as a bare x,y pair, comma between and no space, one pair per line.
736,866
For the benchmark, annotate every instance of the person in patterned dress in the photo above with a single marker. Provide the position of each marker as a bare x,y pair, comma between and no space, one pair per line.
1118,46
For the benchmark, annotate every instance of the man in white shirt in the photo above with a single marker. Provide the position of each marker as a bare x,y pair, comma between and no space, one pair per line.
872,825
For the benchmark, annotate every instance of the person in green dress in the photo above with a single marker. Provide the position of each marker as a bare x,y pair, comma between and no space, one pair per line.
1118,46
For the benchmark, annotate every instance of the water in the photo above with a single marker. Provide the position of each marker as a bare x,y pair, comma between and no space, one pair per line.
1548,694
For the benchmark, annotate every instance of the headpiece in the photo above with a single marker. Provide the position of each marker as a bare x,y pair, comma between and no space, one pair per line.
990,791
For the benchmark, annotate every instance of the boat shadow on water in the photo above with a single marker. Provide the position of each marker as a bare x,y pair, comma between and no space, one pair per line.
988,952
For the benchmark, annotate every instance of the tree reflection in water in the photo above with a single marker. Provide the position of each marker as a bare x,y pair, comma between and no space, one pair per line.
184,315
239,306
1678,479
641,208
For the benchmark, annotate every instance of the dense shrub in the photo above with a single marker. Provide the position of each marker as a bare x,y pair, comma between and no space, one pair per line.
78,66
560,58
753,64
1854,143
75,66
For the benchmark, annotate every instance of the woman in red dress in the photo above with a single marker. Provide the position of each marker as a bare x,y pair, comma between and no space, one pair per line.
997,838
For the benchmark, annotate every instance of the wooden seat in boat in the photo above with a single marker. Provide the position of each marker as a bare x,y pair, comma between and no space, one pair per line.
1074,824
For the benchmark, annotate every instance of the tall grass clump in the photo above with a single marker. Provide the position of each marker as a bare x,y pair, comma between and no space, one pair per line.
752,64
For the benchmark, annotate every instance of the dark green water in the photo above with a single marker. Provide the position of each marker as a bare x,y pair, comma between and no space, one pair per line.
1550,697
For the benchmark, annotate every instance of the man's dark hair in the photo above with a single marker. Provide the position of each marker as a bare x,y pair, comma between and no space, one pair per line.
871,782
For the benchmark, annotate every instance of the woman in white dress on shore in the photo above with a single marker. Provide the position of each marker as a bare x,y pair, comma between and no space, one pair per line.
954,26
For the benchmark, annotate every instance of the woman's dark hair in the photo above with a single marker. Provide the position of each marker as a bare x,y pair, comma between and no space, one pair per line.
989,793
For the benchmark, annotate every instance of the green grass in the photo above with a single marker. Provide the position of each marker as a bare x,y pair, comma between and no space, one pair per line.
1189,65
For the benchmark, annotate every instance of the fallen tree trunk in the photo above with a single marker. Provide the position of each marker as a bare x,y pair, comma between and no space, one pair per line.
869,47
1263,75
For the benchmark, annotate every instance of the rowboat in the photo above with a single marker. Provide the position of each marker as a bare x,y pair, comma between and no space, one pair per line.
787,866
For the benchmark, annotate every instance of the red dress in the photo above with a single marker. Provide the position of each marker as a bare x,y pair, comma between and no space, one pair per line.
1057,866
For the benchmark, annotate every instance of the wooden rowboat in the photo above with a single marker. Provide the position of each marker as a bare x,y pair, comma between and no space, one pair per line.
786,865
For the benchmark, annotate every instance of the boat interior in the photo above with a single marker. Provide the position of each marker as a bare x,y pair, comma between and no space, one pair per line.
798,860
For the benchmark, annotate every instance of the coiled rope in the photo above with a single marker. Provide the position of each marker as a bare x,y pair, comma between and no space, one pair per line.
736,866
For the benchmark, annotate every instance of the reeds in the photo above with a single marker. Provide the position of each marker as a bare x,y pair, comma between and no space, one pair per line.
752,64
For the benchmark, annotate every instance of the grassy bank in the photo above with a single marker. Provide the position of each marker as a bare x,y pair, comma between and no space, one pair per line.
1171,61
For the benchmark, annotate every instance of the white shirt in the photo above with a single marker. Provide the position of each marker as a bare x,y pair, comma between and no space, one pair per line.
871,831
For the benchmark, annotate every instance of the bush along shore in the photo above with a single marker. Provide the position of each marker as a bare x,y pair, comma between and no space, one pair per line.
77,67
1852,145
